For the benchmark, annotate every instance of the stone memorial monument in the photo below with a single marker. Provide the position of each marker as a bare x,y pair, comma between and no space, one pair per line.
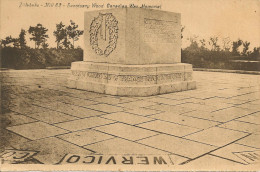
132,52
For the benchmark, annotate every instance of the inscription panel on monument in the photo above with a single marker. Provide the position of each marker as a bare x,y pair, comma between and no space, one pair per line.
132,79
159,31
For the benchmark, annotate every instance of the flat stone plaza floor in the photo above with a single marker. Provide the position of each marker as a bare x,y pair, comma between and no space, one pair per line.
44,122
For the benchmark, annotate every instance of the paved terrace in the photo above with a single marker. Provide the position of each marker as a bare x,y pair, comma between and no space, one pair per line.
218,123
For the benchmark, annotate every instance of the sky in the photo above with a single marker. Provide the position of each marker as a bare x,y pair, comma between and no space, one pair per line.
203,18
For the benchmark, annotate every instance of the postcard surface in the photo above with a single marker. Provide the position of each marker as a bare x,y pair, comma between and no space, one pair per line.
130,85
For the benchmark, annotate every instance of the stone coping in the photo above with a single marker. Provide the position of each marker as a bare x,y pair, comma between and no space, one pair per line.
130,65
228,71
58,67
195,69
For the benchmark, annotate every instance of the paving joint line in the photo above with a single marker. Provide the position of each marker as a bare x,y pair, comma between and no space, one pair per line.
82,129
146,137
246,122
71,94
235,130
175,123
194,132
144,115
238,117
132,113
227,159
98,141
18,135
201,118
214,150
246,145
80,118
69,132
133,125
23,123
46,123
95,103
65,112
142,144
94,127
145,122
181,137
76,145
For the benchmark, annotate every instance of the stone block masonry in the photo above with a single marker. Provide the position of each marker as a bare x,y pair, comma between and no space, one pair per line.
132,52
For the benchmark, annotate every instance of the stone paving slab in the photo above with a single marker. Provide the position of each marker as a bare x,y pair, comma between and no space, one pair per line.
210,160
229,152
127,118
179,146
170,108
85,137
252,118
224,136
251,141
241,126
143,111
218,123
52,117
17,119
126,131
85,123
169,128
36,130
185,120
119,146
52,149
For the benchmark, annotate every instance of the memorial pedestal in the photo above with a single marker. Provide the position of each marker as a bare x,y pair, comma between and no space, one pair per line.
132,52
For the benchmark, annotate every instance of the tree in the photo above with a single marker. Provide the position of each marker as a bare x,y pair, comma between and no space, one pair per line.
7,41
193,39
226,44
214,43
45,45
255,53
246,47
16,42
73,32
203,43
235,46
60,33
39,35
194,46
21,39
66,43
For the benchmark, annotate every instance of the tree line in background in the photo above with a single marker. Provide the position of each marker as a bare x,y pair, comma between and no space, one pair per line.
15,53
216,53
211,53
224,45
65,36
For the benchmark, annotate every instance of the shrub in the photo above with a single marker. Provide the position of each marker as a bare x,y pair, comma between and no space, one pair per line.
29,58
203,58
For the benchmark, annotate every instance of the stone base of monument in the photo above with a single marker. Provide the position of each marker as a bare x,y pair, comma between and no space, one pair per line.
131,80
132,52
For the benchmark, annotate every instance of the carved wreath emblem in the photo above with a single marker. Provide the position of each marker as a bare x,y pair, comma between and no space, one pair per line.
99,26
